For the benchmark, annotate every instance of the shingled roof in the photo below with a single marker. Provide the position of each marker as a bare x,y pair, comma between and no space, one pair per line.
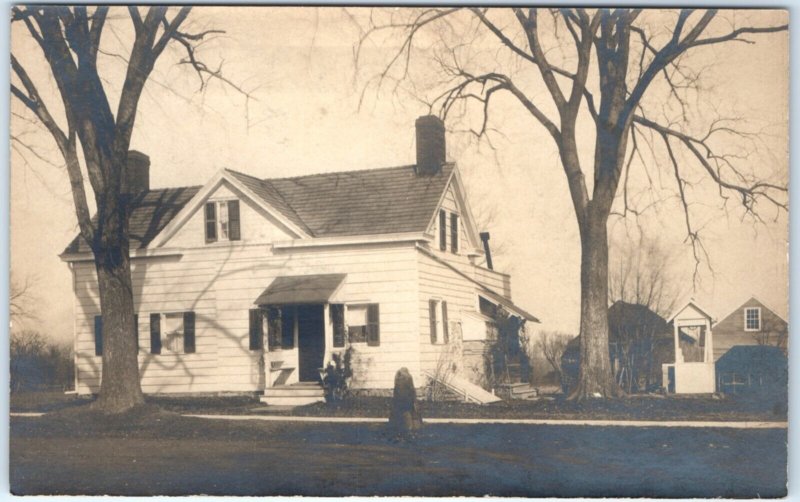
374,201
366,202
150,213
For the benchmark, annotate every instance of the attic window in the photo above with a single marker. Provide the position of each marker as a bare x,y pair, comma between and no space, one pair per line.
454,232
222,221
752,319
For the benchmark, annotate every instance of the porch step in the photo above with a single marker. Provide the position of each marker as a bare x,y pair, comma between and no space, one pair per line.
293,395
517,391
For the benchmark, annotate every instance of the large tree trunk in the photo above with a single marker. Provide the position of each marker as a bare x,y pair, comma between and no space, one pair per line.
595,378
120,388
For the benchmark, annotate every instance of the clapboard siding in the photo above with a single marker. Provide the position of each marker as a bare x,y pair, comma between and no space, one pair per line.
730,331
494,280
221,284
257,226
437,281
450,205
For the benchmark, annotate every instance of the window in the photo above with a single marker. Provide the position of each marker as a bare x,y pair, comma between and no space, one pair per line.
172,332
487,308
752,319
442,230
172,336
440,330
357,323
222,221
363,324
281,327
454,232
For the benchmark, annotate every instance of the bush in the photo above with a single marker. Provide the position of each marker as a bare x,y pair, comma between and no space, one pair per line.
506,359
39,364
336,381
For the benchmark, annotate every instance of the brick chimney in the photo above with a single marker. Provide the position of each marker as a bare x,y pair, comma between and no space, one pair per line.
430,145
138,173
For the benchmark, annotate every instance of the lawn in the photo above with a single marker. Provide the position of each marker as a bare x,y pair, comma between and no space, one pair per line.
731,408
75,451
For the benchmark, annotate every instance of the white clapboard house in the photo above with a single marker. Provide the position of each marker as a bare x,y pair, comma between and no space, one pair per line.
248,285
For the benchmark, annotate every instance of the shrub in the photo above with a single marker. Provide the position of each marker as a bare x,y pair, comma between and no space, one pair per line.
38,364
338,373
506,358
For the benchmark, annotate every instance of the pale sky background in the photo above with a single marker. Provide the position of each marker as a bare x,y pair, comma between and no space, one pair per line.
306,119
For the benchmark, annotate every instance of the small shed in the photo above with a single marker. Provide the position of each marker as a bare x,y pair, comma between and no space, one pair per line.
693,369
751,369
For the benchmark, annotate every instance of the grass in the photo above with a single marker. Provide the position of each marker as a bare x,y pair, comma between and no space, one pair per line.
769,408
152,451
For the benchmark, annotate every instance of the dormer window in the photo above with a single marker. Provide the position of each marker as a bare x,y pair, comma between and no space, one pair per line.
222,221
752,319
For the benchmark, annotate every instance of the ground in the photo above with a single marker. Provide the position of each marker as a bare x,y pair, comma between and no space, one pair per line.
74,451
175,455
650,407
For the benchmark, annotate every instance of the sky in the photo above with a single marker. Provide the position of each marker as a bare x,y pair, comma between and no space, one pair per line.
313,110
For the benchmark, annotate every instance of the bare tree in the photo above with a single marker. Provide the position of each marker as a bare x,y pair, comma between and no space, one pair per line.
70,40
552,345
596,67
20,298
640,273
773,332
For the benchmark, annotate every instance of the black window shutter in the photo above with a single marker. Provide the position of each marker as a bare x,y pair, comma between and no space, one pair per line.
234,226
188,333
454,233
287,327
337,319
155,333
445,327
432,315
136,330
373,325
274,328
98,335
256,329
211,222
442,230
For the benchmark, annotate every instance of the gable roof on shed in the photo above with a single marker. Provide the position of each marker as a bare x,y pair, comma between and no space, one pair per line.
753,301
336,204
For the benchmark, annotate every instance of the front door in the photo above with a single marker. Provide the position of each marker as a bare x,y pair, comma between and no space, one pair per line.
310,341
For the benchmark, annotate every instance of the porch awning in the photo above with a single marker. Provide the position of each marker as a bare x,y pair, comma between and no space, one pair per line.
509,305
291,289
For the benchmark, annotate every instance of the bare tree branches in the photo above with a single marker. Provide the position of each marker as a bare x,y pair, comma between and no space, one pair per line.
20,296
631,55
64,34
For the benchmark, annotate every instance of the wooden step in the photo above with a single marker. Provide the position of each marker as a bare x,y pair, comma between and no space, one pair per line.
293,395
